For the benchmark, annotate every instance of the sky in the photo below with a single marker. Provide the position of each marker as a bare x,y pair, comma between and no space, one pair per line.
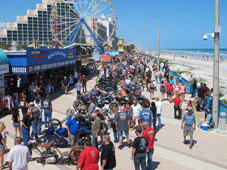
182,22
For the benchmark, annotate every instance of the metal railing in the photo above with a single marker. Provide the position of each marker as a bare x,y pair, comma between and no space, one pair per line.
222,105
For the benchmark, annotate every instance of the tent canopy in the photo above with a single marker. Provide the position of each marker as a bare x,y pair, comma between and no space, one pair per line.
105,56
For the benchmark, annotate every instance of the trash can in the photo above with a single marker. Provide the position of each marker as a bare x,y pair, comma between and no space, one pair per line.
222,121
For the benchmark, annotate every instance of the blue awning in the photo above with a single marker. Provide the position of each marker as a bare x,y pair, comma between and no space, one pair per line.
4,65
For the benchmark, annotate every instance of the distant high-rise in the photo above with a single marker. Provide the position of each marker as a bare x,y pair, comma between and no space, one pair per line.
35,26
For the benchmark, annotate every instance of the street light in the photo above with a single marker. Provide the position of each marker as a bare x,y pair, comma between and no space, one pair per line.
215,35
158,44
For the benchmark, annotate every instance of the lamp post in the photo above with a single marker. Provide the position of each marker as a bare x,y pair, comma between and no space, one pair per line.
215,35
158,44
217,30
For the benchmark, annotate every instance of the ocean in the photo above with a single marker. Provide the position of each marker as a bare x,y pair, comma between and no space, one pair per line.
204,53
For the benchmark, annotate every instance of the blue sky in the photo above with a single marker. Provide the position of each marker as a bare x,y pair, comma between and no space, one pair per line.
182,22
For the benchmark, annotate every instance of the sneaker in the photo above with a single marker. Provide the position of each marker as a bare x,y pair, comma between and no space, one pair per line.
184,142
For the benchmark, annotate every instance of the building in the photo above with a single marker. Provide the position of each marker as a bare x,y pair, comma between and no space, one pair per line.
36,25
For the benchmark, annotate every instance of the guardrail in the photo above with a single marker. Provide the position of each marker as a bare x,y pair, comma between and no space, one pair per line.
222,105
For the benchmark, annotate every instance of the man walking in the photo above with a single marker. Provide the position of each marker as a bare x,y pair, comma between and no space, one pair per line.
47,106
95,129
89,157
146,114
149,133
18,156
84,84
136,109
108,159
177,107
188,121
72,126
35,119
139,150
159,106
25,129
65,84
122,125
78,88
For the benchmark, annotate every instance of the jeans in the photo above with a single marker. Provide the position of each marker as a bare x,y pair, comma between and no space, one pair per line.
25,135
159,120
94,141
190,88
84,88
39,126
140,159
177,109
47,115
149,160
34,129
154,124
202,103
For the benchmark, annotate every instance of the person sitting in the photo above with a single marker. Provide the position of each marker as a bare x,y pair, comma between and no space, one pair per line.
208,120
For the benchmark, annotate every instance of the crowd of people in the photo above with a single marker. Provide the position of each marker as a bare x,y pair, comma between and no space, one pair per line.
137,113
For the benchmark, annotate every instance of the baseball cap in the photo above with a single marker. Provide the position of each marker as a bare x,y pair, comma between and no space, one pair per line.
189,108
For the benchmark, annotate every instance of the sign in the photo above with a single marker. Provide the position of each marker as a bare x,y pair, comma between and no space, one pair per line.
4,65
49,56
19,70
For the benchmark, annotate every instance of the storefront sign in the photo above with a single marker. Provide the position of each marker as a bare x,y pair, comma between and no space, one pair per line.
49,56
19,70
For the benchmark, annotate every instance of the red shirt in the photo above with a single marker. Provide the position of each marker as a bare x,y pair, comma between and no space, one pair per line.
171,89
177,101
150,137
89,158
189,105
168,86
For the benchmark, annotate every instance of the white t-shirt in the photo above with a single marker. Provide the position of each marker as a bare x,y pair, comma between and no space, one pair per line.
19,156
127,82
159,107
136,110
39,107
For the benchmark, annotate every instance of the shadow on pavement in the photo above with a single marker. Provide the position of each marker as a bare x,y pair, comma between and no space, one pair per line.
155,164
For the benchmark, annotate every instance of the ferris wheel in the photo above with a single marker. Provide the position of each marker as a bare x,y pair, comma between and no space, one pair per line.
90,22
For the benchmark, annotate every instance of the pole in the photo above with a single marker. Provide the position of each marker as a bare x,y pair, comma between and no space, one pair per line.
216,65
158,47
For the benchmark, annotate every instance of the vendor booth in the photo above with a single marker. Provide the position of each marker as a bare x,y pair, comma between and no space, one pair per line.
105,58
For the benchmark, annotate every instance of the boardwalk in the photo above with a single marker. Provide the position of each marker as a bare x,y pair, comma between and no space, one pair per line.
209,151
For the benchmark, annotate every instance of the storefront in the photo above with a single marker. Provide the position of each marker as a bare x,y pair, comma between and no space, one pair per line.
4,68
40,66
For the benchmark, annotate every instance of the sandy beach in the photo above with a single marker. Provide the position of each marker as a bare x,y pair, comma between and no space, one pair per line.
202,69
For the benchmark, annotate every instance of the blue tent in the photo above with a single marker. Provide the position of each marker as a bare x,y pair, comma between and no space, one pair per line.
4,65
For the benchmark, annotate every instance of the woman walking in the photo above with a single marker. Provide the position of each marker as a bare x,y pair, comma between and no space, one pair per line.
16,122
162,90
151,89
182,91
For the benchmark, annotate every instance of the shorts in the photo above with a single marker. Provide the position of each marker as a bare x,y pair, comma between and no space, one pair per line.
120,133
16,124
2,148
162,90
188,130
151,90
135,117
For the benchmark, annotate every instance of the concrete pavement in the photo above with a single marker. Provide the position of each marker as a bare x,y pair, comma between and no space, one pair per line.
209,151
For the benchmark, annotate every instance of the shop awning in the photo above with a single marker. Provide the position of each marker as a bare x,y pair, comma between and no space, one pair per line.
4,65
